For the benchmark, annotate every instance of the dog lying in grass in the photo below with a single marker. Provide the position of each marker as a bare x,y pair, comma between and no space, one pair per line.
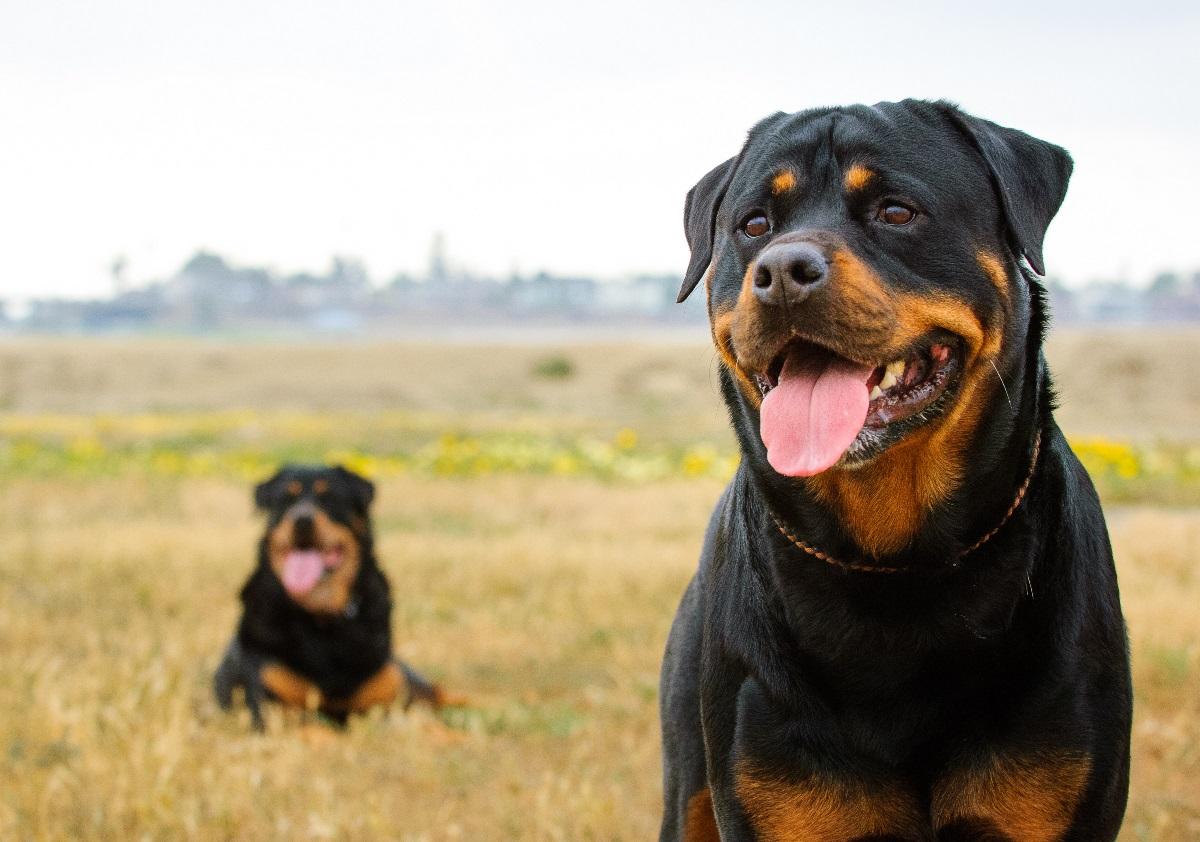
315,631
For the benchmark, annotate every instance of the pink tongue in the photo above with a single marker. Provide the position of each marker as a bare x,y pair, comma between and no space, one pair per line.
815,412
301,570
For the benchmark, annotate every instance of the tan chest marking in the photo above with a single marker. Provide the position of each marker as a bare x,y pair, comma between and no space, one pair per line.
1032,799
290,688
294,690
826,811
380,690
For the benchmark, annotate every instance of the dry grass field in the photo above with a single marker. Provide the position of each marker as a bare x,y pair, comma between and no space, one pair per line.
536,558
1122,383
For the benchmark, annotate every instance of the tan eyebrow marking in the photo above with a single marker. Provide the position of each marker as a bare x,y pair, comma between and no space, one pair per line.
783,181
857,177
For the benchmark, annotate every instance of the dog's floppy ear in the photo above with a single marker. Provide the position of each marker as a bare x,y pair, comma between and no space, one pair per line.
699,223
266,491
362,489
1030,176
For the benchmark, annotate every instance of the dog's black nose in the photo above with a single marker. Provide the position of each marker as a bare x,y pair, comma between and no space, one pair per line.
304,532
788,272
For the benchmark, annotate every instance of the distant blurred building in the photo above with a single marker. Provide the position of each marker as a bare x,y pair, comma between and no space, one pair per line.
207,294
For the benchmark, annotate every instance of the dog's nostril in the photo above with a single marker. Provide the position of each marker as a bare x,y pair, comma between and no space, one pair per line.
807,270
762,278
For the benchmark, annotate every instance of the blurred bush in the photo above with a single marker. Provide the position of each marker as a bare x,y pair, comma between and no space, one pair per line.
556,367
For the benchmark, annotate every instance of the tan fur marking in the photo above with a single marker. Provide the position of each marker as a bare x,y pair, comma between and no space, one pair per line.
824,811
295,487
320,486
994,269
1030,799
854,308
722,330
862,296
290,688
857,177
721,324
381,689
783,182
332,593
721,338
884,503
700,823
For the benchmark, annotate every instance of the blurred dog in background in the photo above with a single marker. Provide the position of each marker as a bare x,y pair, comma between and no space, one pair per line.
315,631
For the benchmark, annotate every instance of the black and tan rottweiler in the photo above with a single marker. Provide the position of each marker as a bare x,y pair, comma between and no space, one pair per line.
315,631
905,623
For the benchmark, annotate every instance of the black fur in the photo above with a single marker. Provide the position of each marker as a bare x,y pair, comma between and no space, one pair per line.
807,671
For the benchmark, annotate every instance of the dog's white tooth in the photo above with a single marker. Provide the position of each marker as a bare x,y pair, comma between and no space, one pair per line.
889,380
876,392
896,368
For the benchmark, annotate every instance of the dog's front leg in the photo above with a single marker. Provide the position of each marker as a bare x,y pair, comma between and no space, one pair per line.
720,683
240,668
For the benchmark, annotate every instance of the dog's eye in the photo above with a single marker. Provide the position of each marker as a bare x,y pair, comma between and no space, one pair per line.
756,225
894,214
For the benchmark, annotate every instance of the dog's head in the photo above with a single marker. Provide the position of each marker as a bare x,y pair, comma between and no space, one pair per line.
318,533
866,281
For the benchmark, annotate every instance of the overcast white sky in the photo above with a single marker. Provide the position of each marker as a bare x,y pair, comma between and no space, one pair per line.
534,134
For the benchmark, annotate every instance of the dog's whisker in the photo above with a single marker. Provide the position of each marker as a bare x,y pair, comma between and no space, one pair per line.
1007,396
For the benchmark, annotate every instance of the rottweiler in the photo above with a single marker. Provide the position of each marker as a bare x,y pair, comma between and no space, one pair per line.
315,631
905,623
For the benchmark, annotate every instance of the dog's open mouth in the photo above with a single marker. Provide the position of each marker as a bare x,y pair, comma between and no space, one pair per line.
819,406
303,569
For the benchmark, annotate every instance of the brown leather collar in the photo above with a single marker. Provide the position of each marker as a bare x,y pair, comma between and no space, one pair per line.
864,567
